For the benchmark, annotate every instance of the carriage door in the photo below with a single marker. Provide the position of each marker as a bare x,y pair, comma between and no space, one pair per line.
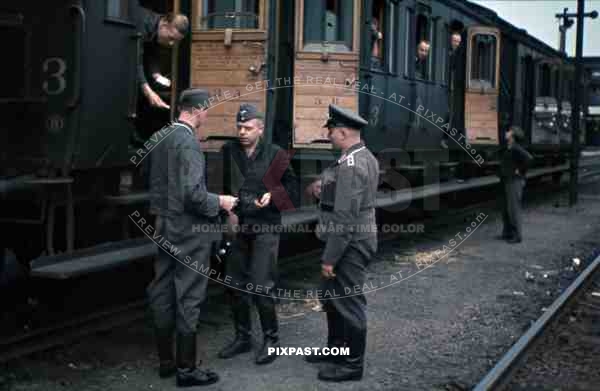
325,67
481,97
228,56
108,75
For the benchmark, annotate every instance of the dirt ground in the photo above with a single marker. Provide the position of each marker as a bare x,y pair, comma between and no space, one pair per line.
440,329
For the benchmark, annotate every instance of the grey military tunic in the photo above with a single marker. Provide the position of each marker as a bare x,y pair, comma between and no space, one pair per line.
183,209
347,225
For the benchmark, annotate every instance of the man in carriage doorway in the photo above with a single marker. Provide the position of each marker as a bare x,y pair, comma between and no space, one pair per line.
157,32
182,206
513,168
347,191
252,170
454,66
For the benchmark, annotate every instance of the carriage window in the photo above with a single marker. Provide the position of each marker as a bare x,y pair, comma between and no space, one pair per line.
117,9
377,37
223,14
452,39
423,41
544,81
483,61
328,25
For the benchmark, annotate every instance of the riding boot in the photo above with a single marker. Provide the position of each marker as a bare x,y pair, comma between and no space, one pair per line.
270,327
335,338
188,374
164,346
241,320
351,366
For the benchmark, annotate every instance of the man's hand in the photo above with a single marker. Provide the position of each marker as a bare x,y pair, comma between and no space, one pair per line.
327,271
227,202
264,200
153,98
314,189
517,171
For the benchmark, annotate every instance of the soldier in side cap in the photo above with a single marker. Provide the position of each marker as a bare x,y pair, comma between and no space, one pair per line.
347,192
259,173
181,203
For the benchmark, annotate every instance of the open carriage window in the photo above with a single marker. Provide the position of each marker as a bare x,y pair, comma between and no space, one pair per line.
328,25
377,34
452,38
234,14
118,9
423,41
483,61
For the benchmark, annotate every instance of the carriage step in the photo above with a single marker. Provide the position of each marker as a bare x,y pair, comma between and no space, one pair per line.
92,259
115,254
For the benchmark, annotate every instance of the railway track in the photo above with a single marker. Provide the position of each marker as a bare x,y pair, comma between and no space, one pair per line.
66,332
69,331
578,294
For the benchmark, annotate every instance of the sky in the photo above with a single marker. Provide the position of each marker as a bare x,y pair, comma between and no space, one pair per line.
538,18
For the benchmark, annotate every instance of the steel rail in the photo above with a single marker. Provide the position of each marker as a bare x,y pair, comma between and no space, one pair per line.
501,373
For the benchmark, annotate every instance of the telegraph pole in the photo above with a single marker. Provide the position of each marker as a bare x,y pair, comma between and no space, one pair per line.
576,107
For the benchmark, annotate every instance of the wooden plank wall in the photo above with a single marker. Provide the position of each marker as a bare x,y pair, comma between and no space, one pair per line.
224,71
314,94
481,118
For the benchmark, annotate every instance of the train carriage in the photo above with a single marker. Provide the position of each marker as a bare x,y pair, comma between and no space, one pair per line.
70,108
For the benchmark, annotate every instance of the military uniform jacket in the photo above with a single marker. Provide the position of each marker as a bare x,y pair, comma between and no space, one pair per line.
515,157
347,204
149,56
178,176
267,170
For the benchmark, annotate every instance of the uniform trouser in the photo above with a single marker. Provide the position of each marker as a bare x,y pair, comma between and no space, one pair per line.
511,207
178,289
346,317
253,260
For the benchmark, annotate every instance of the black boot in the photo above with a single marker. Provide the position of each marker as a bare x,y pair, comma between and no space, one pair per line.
270,328
188,375
164,345
241,321
351,367
335,338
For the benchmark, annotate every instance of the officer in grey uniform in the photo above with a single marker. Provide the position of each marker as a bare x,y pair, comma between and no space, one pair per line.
513,167
181,204
347,225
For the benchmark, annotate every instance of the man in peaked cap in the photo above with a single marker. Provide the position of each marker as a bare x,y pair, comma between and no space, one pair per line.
252,170
181,204
347,191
